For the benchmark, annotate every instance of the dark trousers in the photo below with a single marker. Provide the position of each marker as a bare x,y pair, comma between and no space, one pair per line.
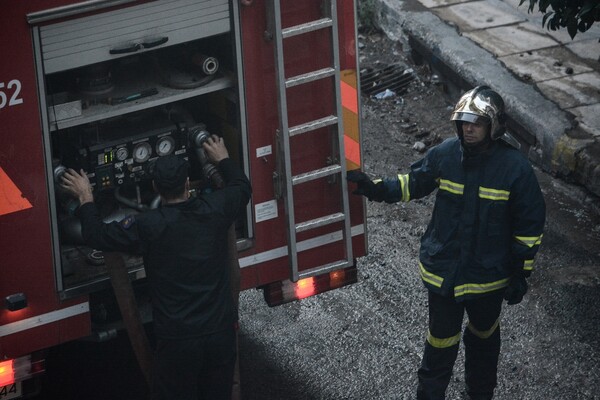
195,369
482,346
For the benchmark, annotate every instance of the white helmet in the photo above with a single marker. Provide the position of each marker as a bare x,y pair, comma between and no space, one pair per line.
481,105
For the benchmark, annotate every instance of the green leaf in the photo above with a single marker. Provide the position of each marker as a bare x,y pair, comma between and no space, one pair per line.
572,27
546,16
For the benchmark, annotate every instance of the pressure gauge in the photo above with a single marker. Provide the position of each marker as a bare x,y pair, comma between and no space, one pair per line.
165,146
142,152
122,153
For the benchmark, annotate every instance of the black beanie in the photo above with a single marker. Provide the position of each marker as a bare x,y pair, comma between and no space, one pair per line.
170,172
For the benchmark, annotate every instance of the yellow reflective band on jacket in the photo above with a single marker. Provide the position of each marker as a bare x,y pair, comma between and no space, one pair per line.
484,334
528,265
451,187
479,288
443,343
403,178
529,241
493,194
430,278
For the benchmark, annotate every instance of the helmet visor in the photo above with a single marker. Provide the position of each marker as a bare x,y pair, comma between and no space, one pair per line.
472,118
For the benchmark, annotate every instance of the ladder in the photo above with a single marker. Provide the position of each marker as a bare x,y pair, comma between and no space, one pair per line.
283,179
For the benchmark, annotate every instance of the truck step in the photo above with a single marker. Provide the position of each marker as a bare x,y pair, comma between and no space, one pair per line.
307,27
318,222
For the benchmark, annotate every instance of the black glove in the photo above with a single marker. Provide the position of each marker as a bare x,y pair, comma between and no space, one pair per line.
366,187
516,289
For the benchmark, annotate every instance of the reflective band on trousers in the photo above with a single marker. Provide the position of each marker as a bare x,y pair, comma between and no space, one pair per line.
528,265
484,334
442,343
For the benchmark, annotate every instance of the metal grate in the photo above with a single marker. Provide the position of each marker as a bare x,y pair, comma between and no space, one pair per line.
394,77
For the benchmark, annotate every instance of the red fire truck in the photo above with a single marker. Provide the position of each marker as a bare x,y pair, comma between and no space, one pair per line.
109,86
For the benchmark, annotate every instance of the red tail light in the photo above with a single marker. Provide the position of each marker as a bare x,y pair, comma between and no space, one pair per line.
7,373
277,293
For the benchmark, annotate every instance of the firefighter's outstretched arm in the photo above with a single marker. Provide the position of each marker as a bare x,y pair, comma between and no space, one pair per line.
365,186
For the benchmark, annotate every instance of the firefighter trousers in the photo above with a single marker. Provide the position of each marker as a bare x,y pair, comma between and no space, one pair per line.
482,346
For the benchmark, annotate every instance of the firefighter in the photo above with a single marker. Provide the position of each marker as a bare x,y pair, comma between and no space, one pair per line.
479,246
184,246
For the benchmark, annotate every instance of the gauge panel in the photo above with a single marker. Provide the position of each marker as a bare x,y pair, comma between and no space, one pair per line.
130,153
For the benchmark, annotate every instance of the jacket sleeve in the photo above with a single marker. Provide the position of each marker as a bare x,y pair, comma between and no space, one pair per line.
419,182
114,236
528,216
235,195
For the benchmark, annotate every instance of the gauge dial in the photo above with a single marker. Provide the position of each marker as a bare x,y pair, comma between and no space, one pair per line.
165,146
122,153
142,152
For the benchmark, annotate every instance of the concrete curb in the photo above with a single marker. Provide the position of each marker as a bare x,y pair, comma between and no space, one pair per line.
556,145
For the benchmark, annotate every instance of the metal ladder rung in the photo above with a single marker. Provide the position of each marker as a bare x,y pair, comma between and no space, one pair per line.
307,27
323,269
313,125
318,222
316,174
309,77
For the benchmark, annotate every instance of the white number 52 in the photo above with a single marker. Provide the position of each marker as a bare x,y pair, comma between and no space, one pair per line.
13,86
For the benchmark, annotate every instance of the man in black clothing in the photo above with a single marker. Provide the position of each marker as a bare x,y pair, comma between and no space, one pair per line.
479,247
184,246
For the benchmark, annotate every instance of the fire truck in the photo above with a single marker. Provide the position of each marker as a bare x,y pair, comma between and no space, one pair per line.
108,86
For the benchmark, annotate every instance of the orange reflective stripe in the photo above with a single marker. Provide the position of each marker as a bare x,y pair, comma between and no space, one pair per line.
352,150
349,97
11,198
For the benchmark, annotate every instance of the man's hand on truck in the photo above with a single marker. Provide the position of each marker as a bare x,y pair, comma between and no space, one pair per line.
78,185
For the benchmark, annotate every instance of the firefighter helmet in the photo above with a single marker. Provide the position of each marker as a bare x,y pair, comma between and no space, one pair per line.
481,105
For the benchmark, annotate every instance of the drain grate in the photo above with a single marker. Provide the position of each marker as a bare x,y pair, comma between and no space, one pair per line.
394,77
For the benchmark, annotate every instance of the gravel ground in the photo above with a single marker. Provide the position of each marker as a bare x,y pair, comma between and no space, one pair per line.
365,341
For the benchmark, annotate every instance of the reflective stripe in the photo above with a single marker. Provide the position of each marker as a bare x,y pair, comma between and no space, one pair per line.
529,241
479,288
528,265
484,334
304,245
451,187
430,278
349,101
493,194
404,187
352,149
43,319
444,342
11,198
349,96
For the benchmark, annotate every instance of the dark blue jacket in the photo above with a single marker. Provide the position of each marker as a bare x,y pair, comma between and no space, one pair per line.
487,221
184,246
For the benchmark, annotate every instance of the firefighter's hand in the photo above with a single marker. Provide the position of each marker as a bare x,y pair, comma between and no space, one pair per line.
517,287
215,149
78,185
366,187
